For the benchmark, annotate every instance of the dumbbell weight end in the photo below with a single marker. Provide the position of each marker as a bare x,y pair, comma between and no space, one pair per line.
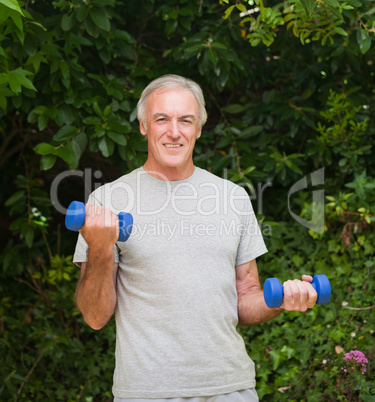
125,225
322,286
75,218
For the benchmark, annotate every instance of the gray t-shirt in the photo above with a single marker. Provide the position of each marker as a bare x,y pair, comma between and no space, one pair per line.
176,312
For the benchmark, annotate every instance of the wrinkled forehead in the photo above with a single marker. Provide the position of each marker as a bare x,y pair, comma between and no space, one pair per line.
172,101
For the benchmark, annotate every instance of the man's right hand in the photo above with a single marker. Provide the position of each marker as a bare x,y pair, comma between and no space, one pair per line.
96,289
101,227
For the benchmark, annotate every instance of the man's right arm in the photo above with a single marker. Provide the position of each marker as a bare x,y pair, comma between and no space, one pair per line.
96,294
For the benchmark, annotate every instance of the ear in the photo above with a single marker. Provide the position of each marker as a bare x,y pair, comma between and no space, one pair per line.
199,132
142,128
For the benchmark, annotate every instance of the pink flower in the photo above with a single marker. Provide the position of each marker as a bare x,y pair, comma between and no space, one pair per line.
354,359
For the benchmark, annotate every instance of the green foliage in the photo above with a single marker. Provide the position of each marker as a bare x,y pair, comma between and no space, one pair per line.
71,72
310,20
345,132
46,346
300,357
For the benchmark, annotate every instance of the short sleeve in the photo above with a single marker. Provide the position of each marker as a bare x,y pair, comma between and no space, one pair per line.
81,252
82,248
251,243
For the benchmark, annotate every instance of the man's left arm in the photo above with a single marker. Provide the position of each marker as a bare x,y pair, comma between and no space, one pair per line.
252,309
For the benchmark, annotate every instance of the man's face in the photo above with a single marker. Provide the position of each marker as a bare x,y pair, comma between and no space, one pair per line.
172,118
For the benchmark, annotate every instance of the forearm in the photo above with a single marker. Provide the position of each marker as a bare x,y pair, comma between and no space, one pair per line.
252,308
96,290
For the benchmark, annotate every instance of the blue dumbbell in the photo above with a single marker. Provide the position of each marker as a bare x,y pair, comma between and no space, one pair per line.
274,291
75,218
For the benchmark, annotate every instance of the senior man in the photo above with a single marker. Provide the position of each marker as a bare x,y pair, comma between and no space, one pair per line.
187,276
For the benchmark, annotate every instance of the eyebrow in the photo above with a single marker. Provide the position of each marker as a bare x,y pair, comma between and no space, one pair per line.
186,116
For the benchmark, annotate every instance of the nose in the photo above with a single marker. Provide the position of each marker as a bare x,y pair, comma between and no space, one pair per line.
174,132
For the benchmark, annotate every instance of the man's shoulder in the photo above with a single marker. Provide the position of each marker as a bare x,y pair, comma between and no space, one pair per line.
128,179
204,176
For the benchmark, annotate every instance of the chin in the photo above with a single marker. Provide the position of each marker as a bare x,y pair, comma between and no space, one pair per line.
173,164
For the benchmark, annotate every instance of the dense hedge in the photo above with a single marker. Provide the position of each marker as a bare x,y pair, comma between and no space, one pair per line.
289,90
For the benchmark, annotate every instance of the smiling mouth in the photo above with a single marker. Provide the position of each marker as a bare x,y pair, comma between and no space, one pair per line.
173,145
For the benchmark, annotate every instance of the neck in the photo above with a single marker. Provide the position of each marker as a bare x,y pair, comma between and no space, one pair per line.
169,173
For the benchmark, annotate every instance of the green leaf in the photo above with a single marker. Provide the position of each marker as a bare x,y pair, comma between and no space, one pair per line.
309,6
100,18
12,4
14,84
219,45
212,55
100,132
29,237
105,55
65,133
47,161
255,42
77,151
249,169
91,27
223,142
14,198
234,108
106,146
293,167
36,60
237,177
45,149
67,22
78,41
357,3
192,51
97,109
42,122
241,7
122,153
228,12
171,26
65,115
340,31
333,3
364,41
251,131
92,120
64,68
370,12
3,102
66,153
117,138
82,13
81,140
119,125
124,35
30,45
18,78
107,110
367,398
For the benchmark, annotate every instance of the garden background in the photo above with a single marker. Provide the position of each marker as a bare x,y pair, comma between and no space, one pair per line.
290,89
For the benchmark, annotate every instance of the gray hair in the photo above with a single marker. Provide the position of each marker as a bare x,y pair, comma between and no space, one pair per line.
170,81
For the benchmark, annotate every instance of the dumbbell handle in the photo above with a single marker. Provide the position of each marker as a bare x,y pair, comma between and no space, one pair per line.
274,291
75,218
